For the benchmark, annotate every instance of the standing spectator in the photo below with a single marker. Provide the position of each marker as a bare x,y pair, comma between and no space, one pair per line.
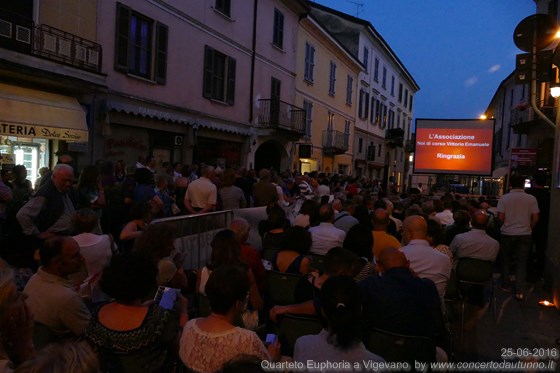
540,232
150,163
120,171
232,196
91,193
162,192
202,194
519,213
144,190
264,192
21,187
62,159
177,166
49,212
6,197
51,298
42,172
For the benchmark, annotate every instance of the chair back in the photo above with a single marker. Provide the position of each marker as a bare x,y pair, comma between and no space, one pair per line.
42,335
474,270
291,327
269,252
203,305
281,287
400,348
317,262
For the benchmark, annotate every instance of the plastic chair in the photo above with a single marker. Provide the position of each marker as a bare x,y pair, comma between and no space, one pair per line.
474,272
291,327
281,287
395,347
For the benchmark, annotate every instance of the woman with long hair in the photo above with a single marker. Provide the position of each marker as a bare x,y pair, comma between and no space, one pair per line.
341,340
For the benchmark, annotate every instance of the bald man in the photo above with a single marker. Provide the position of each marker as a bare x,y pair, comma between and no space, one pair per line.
476,243
400,302
50,211
425,261
325,236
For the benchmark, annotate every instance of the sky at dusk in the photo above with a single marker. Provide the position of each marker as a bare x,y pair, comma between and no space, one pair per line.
457,51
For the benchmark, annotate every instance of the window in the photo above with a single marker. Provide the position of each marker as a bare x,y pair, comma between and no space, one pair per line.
360,144
511,97
349,84
278,29
137,51
372,112
400,92
391,119
363,104
405,97
384,81
410,102
223,6
399,120
308,107
219,76
384,117
346,126
408,128
393,85
376,70
378,109
332,79
309,62
366,58
379,151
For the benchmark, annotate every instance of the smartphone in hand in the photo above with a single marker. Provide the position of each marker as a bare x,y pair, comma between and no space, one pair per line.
167,297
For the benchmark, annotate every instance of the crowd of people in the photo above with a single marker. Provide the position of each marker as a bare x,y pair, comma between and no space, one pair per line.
83,262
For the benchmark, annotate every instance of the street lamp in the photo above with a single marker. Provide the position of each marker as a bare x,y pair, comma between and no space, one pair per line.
555,90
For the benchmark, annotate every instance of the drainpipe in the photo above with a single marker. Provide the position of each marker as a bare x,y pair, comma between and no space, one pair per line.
253,57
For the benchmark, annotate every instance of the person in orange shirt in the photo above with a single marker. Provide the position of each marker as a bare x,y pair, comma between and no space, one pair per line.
382,239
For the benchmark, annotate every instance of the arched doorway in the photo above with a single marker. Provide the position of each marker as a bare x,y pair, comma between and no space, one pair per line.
269,155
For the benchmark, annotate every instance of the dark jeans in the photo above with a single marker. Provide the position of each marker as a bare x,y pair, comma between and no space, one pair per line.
515,251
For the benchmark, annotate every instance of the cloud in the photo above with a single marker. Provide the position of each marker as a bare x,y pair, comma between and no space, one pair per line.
494,68
471,81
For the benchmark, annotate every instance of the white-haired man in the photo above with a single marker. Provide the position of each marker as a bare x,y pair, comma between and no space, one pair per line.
202,194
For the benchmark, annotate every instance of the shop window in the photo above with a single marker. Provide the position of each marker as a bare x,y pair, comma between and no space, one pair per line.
141,45
219,76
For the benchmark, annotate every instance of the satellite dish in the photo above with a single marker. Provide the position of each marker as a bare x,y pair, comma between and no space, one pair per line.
537,29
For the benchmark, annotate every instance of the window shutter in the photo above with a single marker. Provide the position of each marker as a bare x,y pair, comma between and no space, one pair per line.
230,96
161,53
366,106
121,38
208,71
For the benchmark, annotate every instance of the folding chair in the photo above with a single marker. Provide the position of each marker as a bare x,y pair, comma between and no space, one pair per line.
281,287
291,327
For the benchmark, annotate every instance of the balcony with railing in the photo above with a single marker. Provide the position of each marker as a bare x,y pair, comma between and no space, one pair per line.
335,142
48,42
280,115
523,118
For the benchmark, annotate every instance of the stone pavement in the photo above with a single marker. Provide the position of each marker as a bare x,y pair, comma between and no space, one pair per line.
519,324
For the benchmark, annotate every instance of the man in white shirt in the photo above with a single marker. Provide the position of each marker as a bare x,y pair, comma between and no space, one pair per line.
446,216
325,236
202,194
519,213
425,261
476,243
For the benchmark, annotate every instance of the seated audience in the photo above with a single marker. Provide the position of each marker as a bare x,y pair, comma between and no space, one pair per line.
226,251
51,297
128,334
461,224
400,302
249,254
16,324
272,229
325,236
382,239
74,357
424,260
157,242
307,214
292,257
343,218
96,249
476,243
341,340
141,215
434,236
207,343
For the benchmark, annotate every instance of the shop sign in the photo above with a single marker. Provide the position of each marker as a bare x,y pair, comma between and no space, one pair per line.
53,133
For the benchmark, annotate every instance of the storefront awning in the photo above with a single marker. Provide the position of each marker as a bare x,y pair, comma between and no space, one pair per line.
153,110
30,113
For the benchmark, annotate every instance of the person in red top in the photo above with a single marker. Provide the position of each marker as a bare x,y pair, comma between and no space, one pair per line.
249,254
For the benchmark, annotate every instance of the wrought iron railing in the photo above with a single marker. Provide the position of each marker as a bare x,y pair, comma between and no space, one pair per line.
335,141
51,43
278,114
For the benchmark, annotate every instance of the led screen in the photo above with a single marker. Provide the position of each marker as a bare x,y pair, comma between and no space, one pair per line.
461,147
